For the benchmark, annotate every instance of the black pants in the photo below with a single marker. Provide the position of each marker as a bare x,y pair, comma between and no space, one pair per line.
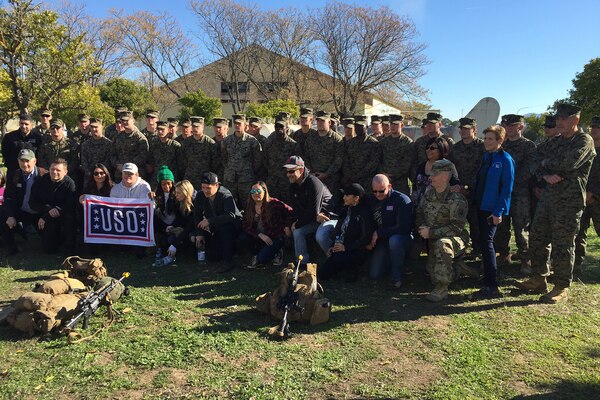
219,244
487,231
8,234
348,261
59,231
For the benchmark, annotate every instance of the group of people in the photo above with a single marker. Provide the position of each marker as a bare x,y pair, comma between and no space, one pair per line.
359,198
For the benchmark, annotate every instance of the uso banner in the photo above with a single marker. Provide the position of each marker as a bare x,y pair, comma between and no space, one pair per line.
118,221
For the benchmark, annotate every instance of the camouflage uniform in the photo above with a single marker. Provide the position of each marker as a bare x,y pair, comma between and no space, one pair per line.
80,137
300,137
278,148
44,133
397,155
521,150
325,154
129,147
95,151
445,214
363,155
168,153
559,210
110,132
591,211
150,136
421,145
242,158
467,160
65,148
218,163
197,157
262,172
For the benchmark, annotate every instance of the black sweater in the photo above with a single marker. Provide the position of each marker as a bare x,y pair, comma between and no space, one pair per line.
309,197
360,227
46,195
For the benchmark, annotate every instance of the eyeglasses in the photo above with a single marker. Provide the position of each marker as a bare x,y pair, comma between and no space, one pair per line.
291,171
256,191
379,191
432,148
99,173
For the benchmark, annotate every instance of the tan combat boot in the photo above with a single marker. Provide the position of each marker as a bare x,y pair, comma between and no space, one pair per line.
439,293
536,283
556,295
504,259
462,269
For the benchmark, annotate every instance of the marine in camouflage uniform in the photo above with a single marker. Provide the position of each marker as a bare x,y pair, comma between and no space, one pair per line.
241,155
397,155
221,129
521,150
254,127
440,219
198,154
83,132
306,120
128,146
111,130
59,147
186,130
466,156
565,168
95,150
431,129
43,129
278,148
376,127
591,213
164,151
324,153
363,155
149,131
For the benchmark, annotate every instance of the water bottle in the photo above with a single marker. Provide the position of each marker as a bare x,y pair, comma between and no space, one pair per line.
201,254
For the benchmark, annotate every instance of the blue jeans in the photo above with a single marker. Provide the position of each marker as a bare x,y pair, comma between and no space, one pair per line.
300,245
263,252
324,235
390,254
487,232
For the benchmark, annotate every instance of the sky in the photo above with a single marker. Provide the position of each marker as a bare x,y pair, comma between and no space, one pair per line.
523,53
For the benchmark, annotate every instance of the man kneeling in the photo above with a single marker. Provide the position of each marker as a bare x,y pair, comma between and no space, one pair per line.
441,218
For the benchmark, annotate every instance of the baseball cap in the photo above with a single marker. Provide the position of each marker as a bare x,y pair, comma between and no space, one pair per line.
441,166
130,167
209,178
294,162
354,189
26,154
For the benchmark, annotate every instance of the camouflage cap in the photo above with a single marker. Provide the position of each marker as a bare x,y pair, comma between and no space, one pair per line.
442,165
348,122
360,120
95,121
385,119
162,124
255,121
595,122
423,122
566,110
284,115
550,121
46,112
125,115
238,118
280,122
220,121
396,118
512,119
466,122
120,109
375,119
152,113
173,121
197,121
57,122
186,122
433,118
323,115
306,112
83,117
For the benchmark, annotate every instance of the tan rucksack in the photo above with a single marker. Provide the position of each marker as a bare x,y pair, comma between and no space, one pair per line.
87,270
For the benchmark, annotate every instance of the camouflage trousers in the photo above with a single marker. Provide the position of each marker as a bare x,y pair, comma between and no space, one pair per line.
240,192
279,188
520,215
439,260
557,226
591,214
473,221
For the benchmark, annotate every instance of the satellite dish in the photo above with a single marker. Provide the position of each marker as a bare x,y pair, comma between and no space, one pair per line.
485,112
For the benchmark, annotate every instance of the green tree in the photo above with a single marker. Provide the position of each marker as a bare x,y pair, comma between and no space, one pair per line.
586,91
123,92
270,109
199,104
41,57
534,127
81,99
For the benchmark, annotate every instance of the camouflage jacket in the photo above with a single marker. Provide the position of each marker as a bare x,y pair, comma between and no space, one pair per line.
521,150
197,157
95,151
168,153
467,160
66,148
300,137
130,147
241,157
593,184
80,137
324,153
363,155
397,155
421,144
278,148
444,213
110,132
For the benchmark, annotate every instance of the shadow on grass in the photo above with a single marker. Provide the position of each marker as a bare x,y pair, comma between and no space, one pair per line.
566,390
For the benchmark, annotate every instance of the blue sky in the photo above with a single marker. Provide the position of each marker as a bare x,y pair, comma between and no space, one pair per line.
523,53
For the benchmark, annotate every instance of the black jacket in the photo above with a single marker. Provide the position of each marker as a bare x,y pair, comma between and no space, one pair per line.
222,211
46,195
15,192
13,142
309,197
360,227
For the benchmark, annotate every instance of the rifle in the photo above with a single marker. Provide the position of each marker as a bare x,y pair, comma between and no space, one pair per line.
90,304
288,303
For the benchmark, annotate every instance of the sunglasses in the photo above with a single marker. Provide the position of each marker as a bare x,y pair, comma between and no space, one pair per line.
379,191
432,148
99,173
256,191
55,128
290,171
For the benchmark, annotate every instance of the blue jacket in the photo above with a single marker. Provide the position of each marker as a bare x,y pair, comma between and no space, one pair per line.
494,184
393,216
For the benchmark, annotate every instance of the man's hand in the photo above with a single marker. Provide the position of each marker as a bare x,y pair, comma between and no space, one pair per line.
42,171
322,218
11,222
41,224
496,220
424,231
553,179
374,237
265,239
54,213
338,247
293,228
204,224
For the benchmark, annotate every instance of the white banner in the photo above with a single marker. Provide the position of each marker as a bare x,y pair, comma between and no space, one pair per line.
112,220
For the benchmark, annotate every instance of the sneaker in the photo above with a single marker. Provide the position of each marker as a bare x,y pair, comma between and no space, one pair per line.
278,259
484,293
439,293
163,262
253,263
535,283
556,295
526,267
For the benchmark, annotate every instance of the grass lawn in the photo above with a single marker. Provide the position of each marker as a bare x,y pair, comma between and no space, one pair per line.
194,334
